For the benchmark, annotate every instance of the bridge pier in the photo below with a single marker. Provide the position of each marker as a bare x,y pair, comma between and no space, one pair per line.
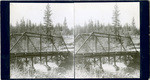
101,68
115,65
109,59
32,64
120,58
26,61
114,60
16,61
56,59
125,59
46,60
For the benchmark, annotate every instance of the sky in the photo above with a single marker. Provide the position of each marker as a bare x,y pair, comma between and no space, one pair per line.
76,13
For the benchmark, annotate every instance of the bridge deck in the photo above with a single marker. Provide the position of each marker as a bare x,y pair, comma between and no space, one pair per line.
105,54
36,54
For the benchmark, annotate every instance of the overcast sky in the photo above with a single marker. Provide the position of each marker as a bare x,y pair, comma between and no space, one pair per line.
75,13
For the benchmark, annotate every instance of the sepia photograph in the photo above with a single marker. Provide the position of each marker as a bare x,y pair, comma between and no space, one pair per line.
41,40
75,40
107,40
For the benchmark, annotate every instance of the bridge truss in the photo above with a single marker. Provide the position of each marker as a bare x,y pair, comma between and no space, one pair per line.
101,47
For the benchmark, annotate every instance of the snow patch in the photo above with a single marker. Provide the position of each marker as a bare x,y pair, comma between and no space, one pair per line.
109,68
121,65
52,65
43,68
40,67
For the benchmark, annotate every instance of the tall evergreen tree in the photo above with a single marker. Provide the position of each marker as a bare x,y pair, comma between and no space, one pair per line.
116,21
133,27
133,22
47,20
65,29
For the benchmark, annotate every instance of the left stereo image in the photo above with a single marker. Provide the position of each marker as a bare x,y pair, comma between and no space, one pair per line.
41,40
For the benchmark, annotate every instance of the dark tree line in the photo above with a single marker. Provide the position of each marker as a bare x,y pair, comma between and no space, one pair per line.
91,26
114,28
46,28
28,26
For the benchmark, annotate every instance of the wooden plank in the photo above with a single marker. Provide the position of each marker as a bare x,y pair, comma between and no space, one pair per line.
106,54
31,54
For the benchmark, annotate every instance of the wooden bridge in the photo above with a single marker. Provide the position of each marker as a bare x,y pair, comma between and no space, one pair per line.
35,47
95,46
109,47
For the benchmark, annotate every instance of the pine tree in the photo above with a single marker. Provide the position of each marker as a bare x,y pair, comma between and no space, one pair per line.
65,29
116,21
133,22
134,29
47,20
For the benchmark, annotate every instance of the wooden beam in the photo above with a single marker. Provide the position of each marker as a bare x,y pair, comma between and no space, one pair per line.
30,34
132,43
53,44
86,43
101,45
19,45
17,41
76,38
32,44
64,43
95,44
27,43
108,43
40,48
83,43
121,43
110,34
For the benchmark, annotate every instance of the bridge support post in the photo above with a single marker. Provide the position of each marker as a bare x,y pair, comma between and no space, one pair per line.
32,67
125,59
27,47
95,44
40,49
26,61
120,58
46,60
51,58
16,61
57,59
114,61
115,65
52,44
108,48
32,64
94,62
100,58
